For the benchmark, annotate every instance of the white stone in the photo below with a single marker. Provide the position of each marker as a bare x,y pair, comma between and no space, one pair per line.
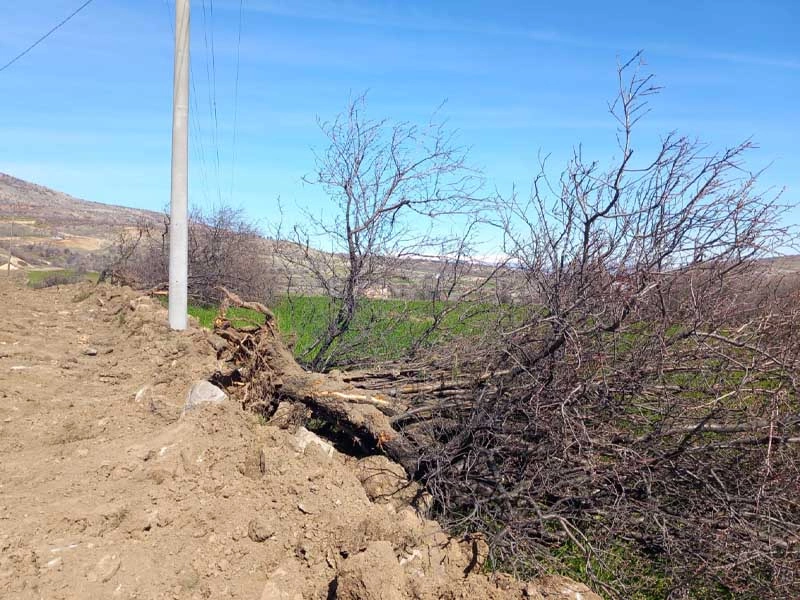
303,438
105,568
203,392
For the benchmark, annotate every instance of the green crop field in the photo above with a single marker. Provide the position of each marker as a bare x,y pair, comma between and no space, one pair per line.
48,278
382,330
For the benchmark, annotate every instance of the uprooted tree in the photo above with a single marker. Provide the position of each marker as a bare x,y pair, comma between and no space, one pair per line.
646,426
639,424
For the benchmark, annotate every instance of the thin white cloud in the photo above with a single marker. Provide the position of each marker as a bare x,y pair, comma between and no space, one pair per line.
399,16
500,117
83,137
762,61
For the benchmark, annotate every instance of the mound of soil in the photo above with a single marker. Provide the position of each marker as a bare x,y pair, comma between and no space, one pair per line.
109,489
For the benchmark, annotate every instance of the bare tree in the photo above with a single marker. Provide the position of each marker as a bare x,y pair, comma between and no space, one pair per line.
224,249
387,183
642,424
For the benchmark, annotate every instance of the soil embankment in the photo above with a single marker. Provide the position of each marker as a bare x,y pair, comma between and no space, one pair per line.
108,490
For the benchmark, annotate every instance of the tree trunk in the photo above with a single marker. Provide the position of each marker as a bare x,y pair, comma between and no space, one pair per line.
266,367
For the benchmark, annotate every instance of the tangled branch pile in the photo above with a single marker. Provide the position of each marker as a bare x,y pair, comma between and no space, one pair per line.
646,431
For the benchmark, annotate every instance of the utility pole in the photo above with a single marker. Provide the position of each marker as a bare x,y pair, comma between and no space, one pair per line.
179,200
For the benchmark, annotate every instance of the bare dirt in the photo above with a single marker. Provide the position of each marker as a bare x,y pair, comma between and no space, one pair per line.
109,490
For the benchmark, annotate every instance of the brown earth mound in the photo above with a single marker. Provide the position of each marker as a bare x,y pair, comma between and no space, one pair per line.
109,489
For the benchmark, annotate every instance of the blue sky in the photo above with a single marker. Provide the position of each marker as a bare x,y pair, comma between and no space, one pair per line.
89,111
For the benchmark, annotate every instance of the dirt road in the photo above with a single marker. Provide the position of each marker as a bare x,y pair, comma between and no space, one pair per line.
108,491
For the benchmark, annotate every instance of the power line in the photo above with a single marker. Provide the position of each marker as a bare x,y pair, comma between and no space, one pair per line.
194,119
46,35
236,100
211,80
216,119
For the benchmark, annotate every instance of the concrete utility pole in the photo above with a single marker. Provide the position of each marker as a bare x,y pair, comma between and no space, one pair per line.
179,202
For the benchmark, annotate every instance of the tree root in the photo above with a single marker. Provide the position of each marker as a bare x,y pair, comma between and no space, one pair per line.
268,374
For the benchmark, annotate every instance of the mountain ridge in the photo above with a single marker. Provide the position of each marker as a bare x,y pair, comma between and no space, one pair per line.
38,219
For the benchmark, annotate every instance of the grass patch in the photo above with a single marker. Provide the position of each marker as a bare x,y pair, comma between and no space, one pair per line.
43,279
239,317
644,576
384,329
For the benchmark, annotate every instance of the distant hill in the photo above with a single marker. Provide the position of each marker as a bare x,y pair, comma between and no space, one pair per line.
48,228
54,229
51,229
784,265
59,211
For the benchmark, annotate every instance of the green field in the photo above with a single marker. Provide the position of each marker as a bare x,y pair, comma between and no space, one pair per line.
38,279
382,330
239,317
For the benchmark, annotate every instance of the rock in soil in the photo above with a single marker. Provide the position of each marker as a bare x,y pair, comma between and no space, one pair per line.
203,392
260,529
374,574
